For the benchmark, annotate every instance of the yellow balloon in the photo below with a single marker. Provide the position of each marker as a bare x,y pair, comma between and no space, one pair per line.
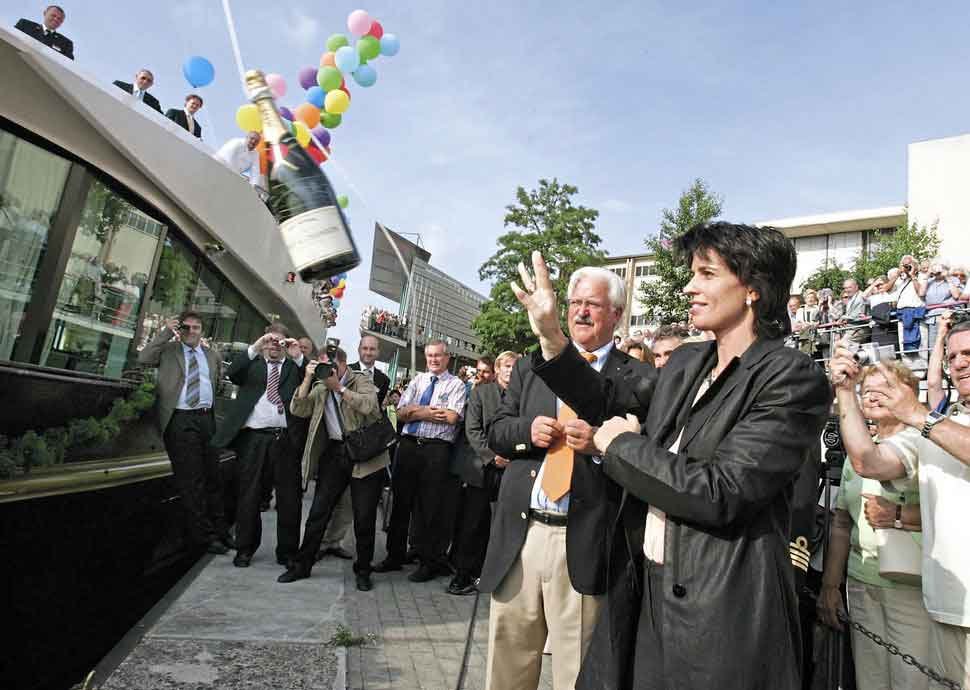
336,102
302,133
248,119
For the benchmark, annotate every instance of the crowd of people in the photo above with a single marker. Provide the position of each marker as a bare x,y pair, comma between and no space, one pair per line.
384,321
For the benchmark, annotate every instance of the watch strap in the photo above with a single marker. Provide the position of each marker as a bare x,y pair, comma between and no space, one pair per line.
898,523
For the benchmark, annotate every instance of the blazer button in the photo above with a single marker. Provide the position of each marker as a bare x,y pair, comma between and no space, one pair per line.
680,591
532,474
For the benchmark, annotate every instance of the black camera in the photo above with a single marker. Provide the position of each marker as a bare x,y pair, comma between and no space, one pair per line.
959,316
325,370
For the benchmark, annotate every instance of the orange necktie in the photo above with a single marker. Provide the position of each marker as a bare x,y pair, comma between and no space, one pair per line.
558,472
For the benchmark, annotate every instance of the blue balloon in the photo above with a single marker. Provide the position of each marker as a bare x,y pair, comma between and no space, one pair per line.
346,59
315,96
365,75
335,302
198,71
390,44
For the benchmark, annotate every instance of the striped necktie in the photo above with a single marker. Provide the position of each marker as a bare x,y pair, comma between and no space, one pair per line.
192,381
557,475
273,386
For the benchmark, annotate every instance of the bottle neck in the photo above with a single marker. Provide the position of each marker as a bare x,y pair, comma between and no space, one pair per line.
273,128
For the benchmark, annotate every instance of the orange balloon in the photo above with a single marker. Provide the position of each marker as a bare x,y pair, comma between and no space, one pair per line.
327,60
308,114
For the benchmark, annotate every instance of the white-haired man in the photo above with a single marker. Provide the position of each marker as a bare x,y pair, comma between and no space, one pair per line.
547,578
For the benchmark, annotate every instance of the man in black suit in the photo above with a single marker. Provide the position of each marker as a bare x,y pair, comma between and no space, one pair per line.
256,425
139,89
368,351
546,560
47,33
185,118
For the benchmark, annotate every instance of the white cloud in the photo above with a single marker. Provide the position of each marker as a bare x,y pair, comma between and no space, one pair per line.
302,29
616,206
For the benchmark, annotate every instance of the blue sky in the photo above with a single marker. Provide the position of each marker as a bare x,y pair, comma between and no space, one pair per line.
783,108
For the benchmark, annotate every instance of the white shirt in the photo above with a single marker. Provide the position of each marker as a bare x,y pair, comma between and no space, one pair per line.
205,382
237,156
539,500
330,411
907,296
265,414
944,494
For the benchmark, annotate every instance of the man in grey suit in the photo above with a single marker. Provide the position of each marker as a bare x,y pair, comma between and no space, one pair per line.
187,375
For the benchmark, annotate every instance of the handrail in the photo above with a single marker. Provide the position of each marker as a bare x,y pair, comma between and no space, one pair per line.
76,477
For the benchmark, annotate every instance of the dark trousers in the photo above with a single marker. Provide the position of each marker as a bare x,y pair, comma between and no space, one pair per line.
422,475
335,473
471,533
648,662
196,468
256,448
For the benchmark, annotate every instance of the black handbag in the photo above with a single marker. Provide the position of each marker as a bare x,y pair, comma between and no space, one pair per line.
368,441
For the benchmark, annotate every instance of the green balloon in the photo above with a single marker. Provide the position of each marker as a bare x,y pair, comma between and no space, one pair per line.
337,41
368,47
329,78
330,120
343,201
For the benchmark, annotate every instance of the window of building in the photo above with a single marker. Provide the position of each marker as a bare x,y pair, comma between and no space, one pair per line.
644,271
620,271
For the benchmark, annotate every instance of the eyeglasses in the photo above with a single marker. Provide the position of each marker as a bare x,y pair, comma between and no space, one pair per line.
585,304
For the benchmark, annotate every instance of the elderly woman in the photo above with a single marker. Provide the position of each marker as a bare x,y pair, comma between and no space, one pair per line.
894,610
701,587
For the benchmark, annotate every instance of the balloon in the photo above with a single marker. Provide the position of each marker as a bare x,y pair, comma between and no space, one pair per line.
343,202
339,293
337,102
308,77
286,113
322,135
330,120
346,59
359,22
365,75
248,119
376,30
198,71
277,84
368,47
337,41
315,96
302,133
390,45
342,283
342,276
326,60
329,78
308,114
346,91
317,155
333,292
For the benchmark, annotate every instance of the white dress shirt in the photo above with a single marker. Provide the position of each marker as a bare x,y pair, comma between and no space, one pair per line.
331,411
205,381
237,156
265,414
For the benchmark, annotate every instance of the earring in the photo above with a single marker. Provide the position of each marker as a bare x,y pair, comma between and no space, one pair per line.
747,301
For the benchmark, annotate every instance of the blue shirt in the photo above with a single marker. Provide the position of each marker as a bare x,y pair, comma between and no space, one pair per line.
539,499
205,383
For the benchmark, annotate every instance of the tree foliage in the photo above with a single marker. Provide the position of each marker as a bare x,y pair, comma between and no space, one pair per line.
544,219
663,299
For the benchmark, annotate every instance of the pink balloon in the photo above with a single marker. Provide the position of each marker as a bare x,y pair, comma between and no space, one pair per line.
277,84
376,30
359,22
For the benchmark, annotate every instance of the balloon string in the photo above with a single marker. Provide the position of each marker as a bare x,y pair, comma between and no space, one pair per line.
231,25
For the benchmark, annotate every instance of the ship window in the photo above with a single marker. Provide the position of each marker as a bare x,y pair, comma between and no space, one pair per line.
31,183
97,304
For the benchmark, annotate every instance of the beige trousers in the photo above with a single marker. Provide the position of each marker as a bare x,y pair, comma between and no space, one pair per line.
536,601
340,522
950,651
898,616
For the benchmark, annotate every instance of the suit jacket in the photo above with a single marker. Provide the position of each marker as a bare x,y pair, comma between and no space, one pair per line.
57,41
593,499
250,376
358,408
730,611
177,115
146,97
472,454
169,357
381,380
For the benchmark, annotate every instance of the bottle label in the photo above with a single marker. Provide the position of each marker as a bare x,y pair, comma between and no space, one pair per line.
315,236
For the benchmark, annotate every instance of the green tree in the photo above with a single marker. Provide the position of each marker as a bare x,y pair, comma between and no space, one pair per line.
923,242
829,275
546,219
663,299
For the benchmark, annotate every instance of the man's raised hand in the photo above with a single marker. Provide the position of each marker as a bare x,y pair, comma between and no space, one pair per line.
538,297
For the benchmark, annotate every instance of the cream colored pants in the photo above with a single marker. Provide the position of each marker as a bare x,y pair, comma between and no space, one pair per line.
950,651
340,521
536,600
898,616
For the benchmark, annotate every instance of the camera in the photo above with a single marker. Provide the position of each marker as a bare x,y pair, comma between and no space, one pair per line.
870,353
959,316
325,370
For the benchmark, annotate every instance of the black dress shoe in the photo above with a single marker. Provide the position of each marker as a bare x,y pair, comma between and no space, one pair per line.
461,585
242,560
424,573
216,547
411,556
364,583
387,565
286,561
228,542
338,552
294,573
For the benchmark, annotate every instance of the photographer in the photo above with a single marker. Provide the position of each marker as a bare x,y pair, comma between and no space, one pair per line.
940,457
342,400
893,610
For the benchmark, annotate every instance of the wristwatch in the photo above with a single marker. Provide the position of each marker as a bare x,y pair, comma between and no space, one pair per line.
932,419
898,523
342,390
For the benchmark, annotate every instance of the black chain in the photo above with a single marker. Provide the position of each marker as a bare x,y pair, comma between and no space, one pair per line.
895,651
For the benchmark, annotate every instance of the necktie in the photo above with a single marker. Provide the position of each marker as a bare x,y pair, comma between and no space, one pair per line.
557,474
273,386
412,427
192,381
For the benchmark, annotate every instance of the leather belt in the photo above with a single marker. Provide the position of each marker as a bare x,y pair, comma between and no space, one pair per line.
552,519
198,410
422,441
275,430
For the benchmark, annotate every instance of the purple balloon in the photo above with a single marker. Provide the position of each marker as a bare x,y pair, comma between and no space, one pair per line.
308,77
287,113
322,135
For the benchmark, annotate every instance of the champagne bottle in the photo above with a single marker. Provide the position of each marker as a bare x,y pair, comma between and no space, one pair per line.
301,197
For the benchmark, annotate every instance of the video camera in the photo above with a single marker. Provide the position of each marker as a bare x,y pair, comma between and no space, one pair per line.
325,370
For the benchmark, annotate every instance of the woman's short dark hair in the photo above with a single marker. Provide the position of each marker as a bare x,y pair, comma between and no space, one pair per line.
762,258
